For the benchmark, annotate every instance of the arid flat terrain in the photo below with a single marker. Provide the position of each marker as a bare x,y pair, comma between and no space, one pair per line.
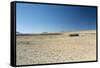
42,49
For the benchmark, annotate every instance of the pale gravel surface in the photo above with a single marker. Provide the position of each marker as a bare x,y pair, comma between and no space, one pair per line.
56,48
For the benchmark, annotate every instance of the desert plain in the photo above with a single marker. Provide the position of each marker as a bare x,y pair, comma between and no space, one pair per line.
44,49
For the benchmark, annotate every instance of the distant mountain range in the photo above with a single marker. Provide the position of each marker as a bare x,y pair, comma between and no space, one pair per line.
44,33
18,33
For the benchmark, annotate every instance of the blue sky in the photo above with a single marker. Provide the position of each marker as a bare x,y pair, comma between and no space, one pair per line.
37,18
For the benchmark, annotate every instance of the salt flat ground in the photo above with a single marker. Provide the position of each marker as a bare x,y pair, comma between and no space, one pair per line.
43,49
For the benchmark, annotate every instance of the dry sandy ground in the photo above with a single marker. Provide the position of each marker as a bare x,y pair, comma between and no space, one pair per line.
56,48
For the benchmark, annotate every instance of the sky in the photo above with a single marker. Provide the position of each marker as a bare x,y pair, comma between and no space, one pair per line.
37,18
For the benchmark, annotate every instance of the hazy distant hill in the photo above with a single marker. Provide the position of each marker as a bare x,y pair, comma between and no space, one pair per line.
33,34
17,33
